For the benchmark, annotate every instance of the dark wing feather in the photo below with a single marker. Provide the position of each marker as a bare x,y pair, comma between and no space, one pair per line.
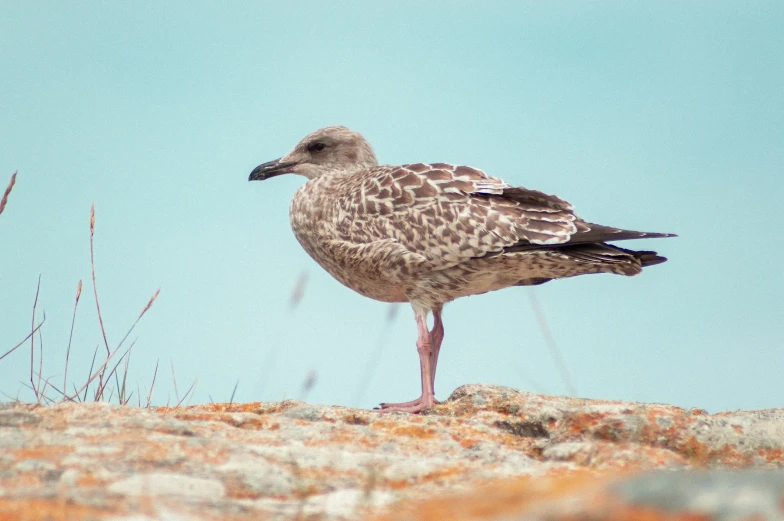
586,232
449,214
590,233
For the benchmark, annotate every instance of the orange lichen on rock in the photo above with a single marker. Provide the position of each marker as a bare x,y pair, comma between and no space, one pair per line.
500,499
45,452
510,453
412,431
52,510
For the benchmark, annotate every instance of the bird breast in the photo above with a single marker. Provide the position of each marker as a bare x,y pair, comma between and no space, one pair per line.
322,227
313,220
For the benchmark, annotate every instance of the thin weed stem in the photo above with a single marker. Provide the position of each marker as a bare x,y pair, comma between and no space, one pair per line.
32,342
41,356
17,346
11,183
123,399
549,339
70,337
95,291
42,387
174,379
146,308
101,370
87,385
191,388
231,400
125,356
152,387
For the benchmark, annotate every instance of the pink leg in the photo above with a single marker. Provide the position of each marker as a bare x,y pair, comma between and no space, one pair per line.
436,336
428,346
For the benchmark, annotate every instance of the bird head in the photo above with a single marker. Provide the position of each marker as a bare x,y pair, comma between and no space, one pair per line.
330,150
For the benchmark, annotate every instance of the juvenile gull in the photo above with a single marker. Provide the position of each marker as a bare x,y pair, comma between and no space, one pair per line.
430,233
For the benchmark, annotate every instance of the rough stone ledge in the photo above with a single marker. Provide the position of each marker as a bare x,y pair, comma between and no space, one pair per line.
486,453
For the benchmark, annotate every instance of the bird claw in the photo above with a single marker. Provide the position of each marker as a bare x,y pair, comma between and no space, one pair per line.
414,406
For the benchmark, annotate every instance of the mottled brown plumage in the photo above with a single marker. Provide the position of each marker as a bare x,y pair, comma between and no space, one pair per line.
430,233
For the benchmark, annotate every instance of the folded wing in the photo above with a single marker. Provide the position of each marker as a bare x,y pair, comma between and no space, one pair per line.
449,214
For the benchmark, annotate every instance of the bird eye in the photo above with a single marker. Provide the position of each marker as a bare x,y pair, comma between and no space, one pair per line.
316,147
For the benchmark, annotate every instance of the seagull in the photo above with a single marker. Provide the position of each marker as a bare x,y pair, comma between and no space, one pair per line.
428,234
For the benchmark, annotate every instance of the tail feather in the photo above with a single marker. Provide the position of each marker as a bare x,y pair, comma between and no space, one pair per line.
591,232
649,258
628,261
601,258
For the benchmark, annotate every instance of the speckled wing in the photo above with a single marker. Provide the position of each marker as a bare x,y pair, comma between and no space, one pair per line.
449,213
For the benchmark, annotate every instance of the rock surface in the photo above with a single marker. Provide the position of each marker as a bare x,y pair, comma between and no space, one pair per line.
489,453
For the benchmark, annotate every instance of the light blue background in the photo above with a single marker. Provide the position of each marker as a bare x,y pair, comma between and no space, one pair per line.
657,116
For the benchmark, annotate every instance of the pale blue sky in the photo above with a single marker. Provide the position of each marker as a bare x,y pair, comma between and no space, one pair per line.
658,116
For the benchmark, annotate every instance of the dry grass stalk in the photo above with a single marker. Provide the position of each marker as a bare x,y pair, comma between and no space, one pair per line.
123,399
70,337
41,386
43,398
549,339
231,400
191,388
298,291
174,379
95,288
100,370
17,346
308,384
102,376
32,342
146,308
87,385
101,389
4,200
152,387
47,384
149,304
41,359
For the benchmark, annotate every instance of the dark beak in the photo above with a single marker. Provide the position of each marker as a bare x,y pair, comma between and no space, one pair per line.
270,169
